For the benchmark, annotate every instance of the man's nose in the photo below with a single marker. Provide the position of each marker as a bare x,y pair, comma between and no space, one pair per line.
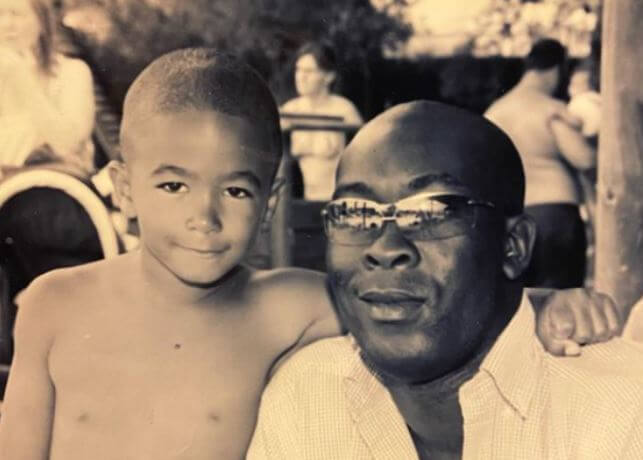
207,218
391,251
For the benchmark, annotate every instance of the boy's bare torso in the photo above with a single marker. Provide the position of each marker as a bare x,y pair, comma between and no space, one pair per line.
146,379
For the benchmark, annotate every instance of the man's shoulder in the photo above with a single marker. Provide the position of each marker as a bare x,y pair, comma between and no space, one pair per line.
328,358
596,399
605,373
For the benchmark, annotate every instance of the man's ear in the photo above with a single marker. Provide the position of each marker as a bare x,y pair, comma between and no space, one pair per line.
520,237
273,202
122,197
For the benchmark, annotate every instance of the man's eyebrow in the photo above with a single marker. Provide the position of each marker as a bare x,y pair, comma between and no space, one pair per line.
165,168
354,188
248,175
432,179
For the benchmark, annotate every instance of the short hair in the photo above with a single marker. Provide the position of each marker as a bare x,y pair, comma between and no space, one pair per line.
323,53
45,52
203,79
545,55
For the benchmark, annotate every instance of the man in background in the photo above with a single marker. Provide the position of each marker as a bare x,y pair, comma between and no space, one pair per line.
552,147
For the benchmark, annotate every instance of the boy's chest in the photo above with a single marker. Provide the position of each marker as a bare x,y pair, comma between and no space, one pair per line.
196,371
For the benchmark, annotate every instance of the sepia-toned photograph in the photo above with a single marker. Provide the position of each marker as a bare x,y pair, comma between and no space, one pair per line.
321,229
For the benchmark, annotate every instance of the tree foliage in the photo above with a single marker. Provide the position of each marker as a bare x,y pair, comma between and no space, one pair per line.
264,32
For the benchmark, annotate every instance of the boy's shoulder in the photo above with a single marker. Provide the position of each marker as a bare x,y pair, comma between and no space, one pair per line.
295,306
53,298
277,279
77,283
291,288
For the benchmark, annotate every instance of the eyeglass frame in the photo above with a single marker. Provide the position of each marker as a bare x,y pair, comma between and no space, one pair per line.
392,209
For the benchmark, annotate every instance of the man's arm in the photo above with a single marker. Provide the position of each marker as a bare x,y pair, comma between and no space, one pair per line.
572,145
28,408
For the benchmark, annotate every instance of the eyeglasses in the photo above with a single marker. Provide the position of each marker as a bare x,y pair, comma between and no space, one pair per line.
421,217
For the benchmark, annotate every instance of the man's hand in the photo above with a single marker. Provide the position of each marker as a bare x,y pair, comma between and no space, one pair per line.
567,319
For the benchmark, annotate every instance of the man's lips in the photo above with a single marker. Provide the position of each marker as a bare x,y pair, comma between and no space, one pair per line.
392,305
389,296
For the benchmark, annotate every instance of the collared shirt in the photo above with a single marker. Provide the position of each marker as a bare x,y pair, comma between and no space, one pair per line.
522,404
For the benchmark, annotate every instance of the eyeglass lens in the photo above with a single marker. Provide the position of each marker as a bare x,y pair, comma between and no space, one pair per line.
358,222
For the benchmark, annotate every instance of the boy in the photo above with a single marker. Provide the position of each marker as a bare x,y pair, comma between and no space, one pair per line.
164,352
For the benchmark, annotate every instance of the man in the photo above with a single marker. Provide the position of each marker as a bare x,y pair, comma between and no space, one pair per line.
427,246
551,147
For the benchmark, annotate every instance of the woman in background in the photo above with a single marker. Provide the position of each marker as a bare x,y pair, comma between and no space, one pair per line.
46,99
318,151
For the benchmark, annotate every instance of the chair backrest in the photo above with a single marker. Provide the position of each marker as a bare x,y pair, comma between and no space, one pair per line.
48,220
75,188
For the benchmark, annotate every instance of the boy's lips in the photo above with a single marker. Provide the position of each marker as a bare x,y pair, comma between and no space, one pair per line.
207,252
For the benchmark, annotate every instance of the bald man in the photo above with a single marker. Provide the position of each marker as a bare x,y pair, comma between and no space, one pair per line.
427,247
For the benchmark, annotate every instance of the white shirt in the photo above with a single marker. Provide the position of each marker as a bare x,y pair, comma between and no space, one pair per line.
69,94
522,404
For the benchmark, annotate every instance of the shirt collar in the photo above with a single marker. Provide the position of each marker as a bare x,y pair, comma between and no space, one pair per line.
374,412
514,365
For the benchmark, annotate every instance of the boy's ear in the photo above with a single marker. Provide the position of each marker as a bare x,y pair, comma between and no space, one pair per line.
122,197
520,237
273,202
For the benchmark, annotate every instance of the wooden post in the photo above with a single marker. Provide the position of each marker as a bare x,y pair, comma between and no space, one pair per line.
280,238
619,228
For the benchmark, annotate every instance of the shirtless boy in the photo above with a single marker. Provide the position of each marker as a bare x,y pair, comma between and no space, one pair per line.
164,352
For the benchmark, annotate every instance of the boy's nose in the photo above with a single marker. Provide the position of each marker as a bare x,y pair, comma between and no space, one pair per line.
207,218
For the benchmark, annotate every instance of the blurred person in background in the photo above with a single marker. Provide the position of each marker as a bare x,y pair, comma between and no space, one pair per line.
46,99
585,100
317,152
552,147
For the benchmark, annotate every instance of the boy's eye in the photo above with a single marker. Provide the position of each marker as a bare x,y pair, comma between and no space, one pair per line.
173,187
238,192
